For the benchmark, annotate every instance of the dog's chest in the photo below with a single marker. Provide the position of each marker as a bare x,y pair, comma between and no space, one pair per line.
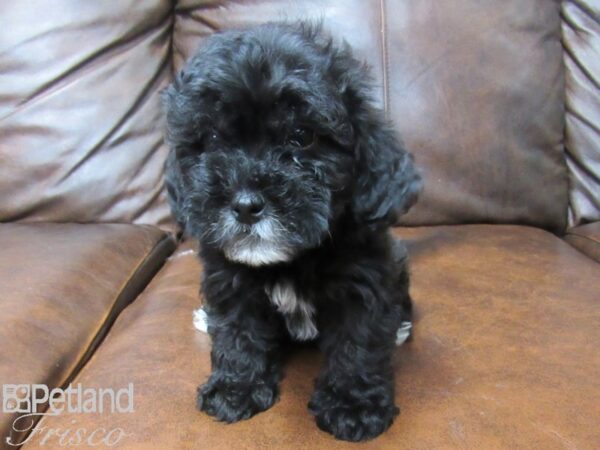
298,312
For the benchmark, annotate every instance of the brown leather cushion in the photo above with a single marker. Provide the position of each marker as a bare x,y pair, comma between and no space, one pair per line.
586,239
80,117
476,91
504,355
61,287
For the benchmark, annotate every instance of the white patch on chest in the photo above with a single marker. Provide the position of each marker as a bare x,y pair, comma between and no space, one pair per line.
298,312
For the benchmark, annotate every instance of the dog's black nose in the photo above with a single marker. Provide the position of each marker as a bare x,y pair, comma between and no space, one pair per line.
248,207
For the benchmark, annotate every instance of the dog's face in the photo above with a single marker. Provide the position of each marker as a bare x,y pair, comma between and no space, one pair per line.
268,130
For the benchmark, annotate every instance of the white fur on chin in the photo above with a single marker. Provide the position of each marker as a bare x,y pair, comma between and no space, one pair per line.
258,246
257,253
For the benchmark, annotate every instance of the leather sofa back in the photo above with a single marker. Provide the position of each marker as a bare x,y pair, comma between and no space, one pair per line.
80,119
476,90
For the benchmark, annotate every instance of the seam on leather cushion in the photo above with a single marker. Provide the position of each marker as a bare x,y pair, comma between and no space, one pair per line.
138,279
575,240
590,238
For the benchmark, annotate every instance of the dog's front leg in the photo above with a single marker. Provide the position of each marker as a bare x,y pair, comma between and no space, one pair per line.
354,395
245,362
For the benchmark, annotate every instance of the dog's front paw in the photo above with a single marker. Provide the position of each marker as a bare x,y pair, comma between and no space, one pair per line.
352,418
232,402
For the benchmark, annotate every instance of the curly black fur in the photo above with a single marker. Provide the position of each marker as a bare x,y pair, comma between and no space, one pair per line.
280,119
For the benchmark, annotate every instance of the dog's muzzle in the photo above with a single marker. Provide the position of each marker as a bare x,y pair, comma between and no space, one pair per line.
251,234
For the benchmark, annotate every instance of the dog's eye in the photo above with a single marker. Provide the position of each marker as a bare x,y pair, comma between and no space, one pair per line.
213,136
301,138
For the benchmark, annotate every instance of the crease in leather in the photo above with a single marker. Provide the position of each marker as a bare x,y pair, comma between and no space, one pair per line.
203,5
73,73
587,122
130,289
586,10
203,20
573,239
589,238
577,62
144,95
578,161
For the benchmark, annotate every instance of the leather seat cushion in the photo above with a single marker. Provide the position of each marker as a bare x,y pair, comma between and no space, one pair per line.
61,287
504,354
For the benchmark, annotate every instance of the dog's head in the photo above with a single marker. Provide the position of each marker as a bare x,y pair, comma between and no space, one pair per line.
274,141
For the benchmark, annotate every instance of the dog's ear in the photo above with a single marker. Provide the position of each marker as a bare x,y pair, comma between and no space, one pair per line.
175,187
387,183
179,134
184,137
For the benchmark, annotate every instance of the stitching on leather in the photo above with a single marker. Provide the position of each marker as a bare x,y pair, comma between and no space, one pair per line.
384,57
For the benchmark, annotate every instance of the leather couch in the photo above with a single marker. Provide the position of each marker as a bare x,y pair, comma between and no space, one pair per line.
498,101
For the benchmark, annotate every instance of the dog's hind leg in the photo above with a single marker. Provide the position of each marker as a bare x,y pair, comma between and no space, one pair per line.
403,300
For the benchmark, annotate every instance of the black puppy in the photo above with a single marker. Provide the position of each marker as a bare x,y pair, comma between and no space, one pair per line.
289,177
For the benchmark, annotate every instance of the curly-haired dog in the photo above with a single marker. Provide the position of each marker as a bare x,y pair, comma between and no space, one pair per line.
289,177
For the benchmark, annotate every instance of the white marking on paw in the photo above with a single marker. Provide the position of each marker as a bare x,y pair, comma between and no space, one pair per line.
298,313
403,333
200,320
